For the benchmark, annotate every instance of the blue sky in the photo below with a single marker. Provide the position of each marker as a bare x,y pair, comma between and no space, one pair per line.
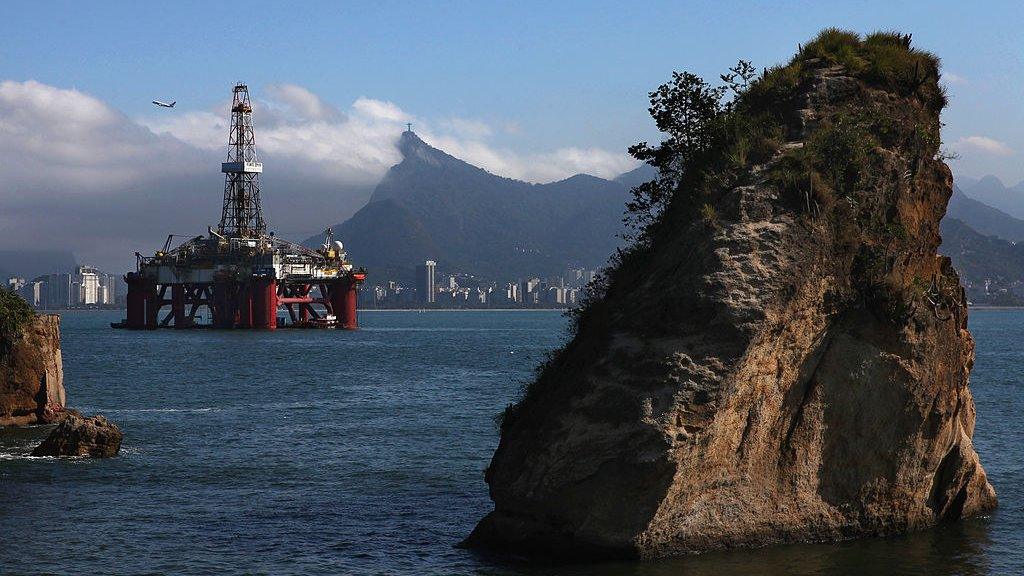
533,90
563,73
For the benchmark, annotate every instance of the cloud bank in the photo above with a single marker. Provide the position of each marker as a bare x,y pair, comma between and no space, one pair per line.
358,144
983,144
80,175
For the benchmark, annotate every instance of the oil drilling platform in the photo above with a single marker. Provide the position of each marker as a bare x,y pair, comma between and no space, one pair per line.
241,274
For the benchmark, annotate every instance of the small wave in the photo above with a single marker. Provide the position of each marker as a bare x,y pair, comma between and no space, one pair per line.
29,456
138,410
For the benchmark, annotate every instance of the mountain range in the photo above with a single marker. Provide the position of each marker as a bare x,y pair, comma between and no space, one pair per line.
433,206
993,192
981,240
984,218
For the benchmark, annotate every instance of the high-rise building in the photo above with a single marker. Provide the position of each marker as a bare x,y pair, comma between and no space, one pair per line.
34,292
555,295
59,292
512,292
425,281
108,288
88,280
588,277
572,296
529,286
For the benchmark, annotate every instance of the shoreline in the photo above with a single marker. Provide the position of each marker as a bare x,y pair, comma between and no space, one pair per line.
361,310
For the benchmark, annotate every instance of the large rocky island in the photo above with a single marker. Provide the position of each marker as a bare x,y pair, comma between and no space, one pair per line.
781,356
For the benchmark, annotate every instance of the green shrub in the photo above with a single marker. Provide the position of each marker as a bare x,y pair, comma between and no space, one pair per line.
836,46
14,314
708,214
839,150
773,90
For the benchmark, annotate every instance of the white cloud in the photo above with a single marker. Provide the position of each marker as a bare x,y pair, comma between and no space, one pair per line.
474,129
535,167
951,78
78,174
358,145
66,140
983,144
303,103
380,110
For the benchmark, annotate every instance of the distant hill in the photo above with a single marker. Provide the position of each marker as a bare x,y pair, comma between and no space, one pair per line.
978,258
31,263
991,190
633,178
984,219
435,206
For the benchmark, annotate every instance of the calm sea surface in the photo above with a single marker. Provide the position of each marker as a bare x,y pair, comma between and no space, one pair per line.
323,452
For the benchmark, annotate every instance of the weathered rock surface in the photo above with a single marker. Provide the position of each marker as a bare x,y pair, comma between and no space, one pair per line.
32,375
749,386
78,435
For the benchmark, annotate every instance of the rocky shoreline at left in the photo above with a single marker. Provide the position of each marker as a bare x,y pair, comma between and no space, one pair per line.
32,388
32,373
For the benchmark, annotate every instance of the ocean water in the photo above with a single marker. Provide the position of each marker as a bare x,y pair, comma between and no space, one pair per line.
331,452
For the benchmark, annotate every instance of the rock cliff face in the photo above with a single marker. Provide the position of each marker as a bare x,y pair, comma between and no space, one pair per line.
793,368
32,375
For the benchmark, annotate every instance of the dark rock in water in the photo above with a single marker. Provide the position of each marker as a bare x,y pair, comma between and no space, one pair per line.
787,360
77,435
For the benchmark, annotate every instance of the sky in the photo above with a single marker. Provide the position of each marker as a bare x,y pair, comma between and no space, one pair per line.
531,90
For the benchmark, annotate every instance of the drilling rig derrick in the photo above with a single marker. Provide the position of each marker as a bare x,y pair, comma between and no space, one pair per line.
239,274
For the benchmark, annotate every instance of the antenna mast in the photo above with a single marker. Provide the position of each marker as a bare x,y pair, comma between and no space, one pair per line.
242,215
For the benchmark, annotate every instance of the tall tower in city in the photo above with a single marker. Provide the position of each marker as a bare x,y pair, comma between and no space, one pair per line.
425,285
242,215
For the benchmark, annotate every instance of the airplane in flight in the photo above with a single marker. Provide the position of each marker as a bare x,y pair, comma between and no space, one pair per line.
165,104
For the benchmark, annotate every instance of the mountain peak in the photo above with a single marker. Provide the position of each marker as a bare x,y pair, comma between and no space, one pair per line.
410,139
991,180
432,205
414,149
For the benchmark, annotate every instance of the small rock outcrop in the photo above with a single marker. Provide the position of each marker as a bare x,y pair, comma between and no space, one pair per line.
32,373
786,360
78,435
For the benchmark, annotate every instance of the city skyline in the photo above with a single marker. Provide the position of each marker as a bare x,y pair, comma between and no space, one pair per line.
86,286
524,292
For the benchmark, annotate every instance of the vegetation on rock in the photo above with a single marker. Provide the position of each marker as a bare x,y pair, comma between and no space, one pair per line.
711,141
15,313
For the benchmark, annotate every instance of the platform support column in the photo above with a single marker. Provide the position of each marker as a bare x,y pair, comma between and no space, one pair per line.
178,306
264,303
344,303
153,304
136,302
223,308
245,312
